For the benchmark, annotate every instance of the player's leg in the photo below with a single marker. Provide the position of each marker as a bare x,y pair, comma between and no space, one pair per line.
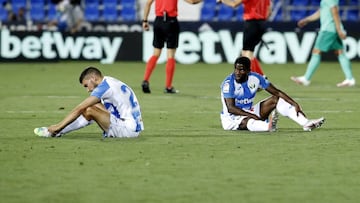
80,122
99,114
253,31
286,109
150,66
346,68
170,71
173,30
158,44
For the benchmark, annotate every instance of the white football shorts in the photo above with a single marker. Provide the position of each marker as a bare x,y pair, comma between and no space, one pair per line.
232,122
121,128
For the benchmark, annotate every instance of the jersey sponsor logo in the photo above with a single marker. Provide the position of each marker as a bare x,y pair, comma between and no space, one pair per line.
244,101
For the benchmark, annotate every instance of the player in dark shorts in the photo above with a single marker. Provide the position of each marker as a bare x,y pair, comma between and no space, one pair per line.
256,12
166,30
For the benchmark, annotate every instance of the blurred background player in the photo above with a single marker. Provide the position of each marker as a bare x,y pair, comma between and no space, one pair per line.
70,16
238,91
329,38
256,12
166,29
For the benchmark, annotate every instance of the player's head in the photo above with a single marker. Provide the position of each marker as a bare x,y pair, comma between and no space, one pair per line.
241,69
242,63
89,71
90,78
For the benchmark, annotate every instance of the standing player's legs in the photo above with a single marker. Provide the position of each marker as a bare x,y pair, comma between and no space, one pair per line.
170,70
172,29
150,66
158,44
253,32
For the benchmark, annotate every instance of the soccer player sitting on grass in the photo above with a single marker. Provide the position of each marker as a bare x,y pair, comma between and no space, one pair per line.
238,91
112,105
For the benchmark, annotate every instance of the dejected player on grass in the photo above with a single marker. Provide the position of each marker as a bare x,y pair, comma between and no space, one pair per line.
112,105
166,30
238,91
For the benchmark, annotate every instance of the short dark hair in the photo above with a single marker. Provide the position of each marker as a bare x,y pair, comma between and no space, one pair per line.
245,61
89,70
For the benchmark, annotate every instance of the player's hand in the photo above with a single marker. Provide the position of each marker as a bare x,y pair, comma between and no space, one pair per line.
53,129
302,23
145,26
342,34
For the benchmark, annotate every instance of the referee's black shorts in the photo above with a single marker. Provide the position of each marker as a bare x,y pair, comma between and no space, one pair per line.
166,31
252,33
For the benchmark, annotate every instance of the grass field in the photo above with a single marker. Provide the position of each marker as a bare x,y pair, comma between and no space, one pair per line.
183,155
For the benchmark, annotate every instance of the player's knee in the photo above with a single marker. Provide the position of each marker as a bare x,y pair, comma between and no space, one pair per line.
89,112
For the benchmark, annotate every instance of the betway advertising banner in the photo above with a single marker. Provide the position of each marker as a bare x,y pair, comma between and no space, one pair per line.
199,42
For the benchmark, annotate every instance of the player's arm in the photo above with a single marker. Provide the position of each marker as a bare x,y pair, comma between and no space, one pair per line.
230,104
276,92
337,21
231,3
193,1
74,114
313,17
145,23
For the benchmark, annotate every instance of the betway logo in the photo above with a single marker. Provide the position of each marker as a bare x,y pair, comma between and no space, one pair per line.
52,45
207,46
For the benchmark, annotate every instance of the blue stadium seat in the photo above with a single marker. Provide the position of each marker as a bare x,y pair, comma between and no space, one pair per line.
37,14
128,3
209,4
3,14
299,2
239,13
128,14
91,3
298,14
51,12
110,3
16,4
225,13
352,15
91,13
207,14
110,14
128,10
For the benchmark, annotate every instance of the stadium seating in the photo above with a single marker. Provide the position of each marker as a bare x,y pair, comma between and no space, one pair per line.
3,14
51,13
92,13
16,4
225,13
207,14
128,10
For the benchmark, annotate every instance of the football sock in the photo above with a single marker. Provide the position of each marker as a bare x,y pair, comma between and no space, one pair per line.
150,66
286,109
170,70
345,66
80,122
312,66
255,66
257,125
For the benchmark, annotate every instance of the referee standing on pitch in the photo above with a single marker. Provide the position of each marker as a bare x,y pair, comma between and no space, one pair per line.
256,12
166,29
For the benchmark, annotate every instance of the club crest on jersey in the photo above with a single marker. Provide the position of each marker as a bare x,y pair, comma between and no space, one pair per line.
226,87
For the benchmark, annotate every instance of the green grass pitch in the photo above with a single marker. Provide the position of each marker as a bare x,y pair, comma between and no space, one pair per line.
183,155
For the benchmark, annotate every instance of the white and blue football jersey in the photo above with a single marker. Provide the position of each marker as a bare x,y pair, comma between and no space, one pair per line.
120,100
243,93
